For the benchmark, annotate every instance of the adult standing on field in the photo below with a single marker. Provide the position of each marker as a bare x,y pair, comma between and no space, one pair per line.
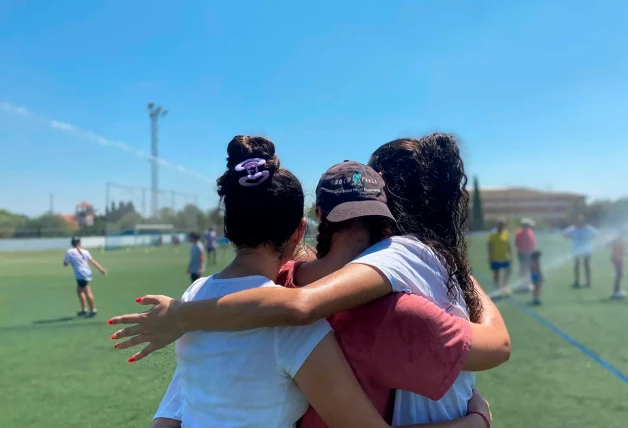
500,253
80,260
582,235
525,243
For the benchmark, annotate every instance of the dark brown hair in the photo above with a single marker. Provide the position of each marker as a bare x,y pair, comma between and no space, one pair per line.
426,189
267,213
377,227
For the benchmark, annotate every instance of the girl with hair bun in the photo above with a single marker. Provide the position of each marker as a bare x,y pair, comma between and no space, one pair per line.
263,377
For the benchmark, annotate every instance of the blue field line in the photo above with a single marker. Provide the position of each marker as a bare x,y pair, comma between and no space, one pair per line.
562,334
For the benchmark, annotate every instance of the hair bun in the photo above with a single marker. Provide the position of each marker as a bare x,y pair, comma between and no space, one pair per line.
240,149
243,147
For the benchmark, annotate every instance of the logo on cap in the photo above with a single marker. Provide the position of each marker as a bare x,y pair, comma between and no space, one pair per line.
357,178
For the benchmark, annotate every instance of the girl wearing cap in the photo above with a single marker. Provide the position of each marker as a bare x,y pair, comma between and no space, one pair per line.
80,259
268,375
364,280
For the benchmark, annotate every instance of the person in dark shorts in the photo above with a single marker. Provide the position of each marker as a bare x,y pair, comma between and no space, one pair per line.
211,245
80,260
536,276
196,266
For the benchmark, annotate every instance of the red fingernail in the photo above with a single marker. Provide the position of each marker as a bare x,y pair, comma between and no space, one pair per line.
131,359
110,322
112,337
116,346
139,299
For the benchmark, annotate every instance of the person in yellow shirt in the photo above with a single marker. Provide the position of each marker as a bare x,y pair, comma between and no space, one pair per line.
500,253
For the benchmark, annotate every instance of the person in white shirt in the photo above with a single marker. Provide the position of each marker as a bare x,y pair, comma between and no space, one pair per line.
211,244
80,259
582,236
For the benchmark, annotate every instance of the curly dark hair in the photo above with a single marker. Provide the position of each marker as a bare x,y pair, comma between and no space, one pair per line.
426,189
268,213
378,228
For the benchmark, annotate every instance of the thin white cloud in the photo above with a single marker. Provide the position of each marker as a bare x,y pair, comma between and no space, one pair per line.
14,109
69,128
61,125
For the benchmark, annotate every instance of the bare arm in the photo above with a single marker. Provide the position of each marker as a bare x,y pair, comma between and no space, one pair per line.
98,266
351,286
333,391
491,341
489,248
200,271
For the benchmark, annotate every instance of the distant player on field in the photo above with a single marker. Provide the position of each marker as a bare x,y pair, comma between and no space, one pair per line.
211,244
525,243
618,251
80,259
536,276
196,266
500,253
582,235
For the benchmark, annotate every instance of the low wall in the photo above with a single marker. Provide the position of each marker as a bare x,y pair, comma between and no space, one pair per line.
43,244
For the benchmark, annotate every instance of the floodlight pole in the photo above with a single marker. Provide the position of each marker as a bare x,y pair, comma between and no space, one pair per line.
155,112
107,197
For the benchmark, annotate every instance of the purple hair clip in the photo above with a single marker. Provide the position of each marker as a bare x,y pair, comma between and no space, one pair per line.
254,175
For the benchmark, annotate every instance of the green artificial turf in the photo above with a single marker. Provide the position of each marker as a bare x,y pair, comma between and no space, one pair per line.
59,371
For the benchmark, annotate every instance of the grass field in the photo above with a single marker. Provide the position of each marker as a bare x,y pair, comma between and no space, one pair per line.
65,373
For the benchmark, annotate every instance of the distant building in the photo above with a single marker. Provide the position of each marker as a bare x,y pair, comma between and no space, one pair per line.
83,216
552,208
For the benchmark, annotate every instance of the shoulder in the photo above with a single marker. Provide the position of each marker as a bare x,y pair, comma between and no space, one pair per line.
400,246
286,273
194,288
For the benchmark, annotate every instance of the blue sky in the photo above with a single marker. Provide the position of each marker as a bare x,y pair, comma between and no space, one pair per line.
536,90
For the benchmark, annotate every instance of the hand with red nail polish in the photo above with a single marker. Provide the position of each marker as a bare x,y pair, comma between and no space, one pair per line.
158,327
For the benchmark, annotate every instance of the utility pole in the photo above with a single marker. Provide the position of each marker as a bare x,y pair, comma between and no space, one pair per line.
52,203
155,112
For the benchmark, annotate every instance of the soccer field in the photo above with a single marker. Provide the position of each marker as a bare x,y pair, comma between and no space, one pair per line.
60,371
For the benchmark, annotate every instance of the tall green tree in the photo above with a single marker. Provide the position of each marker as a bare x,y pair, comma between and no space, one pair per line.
477,215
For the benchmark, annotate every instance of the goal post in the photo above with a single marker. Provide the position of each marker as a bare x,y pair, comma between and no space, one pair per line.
144,235
129,221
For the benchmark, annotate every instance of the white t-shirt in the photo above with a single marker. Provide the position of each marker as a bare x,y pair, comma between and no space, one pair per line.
239,379
79,260
582,238
412,267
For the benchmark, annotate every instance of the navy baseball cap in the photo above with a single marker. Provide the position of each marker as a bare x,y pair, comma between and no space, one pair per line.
350,190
